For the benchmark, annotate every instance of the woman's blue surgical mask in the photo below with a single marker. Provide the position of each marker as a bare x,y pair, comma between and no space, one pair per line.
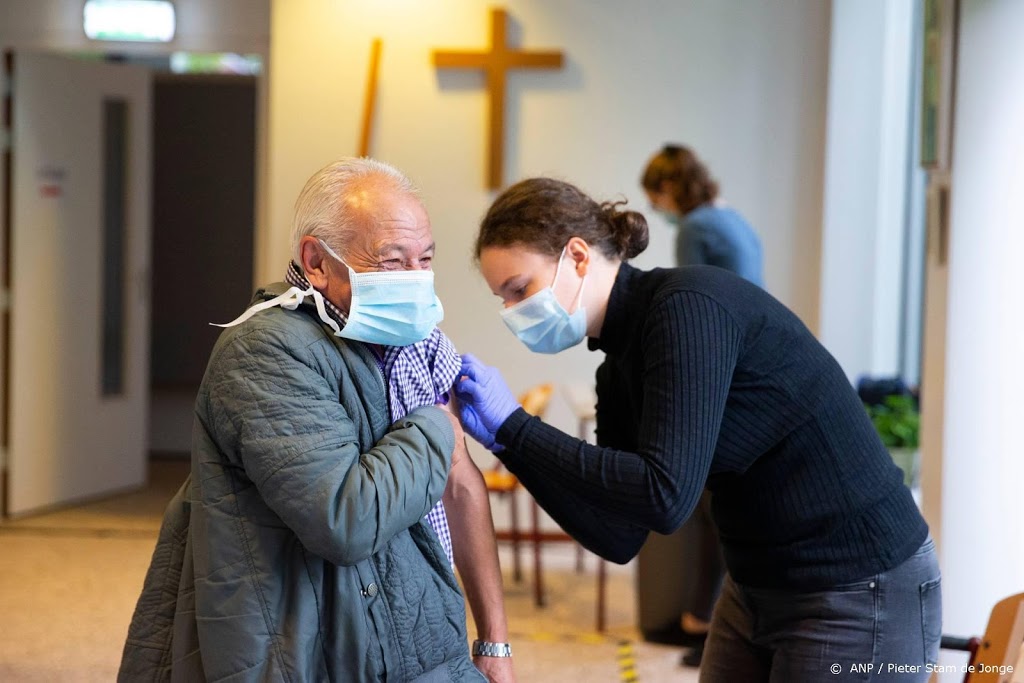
391,308
541,323
670,216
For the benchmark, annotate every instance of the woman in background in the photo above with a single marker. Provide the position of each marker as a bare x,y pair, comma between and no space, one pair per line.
710,233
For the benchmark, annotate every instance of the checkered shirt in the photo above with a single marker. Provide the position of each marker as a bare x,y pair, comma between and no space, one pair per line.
416,375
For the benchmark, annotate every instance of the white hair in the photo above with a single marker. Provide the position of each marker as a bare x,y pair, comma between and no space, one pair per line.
322,211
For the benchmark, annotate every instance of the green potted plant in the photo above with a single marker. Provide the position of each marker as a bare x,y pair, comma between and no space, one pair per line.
898,423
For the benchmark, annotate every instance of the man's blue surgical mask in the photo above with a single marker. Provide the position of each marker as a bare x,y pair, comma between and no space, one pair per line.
391,308
541,323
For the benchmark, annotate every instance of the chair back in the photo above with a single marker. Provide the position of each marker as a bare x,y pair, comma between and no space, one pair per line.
535,399
1000,648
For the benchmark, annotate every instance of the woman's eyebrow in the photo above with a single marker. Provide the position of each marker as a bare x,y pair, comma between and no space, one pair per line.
508,283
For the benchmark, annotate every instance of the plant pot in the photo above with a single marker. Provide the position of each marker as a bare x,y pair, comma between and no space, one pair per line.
908,460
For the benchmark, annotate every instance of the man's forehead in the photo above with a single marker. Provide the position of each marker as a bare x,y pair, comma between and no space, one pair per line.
395,222
374,199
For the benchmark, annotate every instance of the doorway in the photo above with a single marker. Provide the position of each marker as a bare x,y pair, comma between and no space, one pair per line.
204,158
188,262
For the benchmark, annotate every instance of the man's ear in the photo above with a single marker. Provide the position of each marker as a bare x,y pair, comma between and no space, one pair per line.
579,251
313,263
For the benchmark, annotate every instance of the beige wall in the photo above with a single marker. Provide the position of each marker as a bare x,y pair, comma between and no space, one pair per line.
744,83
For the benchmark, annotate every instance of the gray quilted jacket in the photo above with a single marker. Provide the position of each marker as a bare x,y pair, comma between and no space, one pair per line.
297,551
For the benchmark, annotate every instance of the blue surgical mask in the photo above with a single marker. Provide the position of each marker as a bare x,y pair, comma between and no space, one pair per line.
670,216
541,323
391,308
388,308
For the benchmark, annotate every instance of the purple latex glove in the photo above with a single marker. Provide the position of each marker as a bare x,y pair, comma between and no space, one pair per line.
485,401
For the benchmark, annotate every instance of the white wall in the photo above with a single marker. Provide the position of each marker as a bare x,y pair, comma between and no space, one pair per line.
202,26
865,184
982,539
744,83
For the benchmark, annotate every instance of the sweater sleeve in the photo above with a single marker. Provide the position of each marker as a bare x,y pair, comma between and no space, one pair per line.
689,350
594,527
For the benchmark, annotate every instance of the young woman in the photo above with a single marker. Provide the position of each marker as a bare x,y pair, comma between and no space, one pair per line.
710,382
681,189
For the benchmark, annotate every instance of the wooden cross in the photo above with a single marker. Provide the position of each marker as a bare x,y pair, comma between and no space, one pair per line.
496,63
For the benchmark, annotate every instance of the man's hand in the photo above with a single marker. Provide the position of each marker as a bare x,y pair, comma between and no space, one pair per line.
496,669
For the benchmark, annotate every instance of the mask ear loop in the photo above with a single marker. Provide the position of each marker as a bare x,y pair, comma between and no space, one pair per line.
351,277
321,311
579,295
333,253
290,300
558,269
578,299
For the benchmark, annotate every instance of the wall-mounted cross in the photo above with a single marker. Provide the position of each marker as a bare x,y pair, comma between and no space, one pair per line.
496,63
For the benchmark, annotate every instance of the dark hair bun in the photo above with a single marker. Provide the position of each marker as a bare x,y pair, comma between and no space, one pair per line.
629,230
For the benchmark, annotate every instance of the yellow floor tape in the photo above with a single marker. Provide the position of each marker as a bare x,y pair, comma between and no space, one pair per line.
627,662
623,652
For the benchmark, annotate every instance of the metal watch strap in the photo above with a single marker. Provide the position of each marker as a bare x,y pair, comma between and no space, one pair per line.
482,648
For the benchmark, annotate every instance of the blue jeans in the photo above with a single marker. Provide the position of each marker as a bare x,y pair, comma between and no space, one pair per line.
885,627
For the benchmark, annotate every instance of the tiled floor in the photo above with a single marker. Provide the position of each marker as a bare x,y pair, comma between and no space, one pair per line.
69,581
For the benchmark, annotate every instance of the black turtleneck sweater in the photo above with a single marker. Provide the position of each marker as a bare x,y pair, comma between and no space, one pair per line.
709,381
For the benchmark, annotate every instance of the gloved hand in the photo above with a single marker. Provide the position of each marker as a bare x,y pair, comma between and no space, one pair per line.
485,401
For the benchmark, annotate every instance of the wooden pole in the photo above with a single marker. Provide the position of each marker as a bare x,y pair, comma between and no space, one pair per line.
370,100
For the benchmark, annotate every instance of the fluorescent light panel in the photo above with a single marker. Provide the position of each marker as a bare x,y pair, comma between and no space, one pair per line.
129,20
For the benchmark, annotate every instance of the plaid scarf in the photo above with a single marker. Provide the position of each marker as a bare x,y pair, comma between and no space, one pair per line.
416,375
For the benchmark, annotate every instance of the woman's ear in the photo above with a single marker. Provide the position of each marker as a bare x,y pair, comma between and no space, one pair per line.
579,251
313,262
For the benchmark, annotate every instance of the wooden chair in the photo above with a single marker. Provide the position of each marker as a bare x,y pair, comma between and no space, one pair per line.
582,401
505,484
1000,649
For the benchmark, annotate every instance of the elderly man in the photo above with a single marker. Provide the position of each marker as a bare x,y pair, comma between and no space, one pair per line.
312,541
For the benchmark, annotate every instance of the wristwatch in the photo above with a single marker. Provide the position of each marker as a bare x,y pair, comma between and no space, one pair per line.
482,648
